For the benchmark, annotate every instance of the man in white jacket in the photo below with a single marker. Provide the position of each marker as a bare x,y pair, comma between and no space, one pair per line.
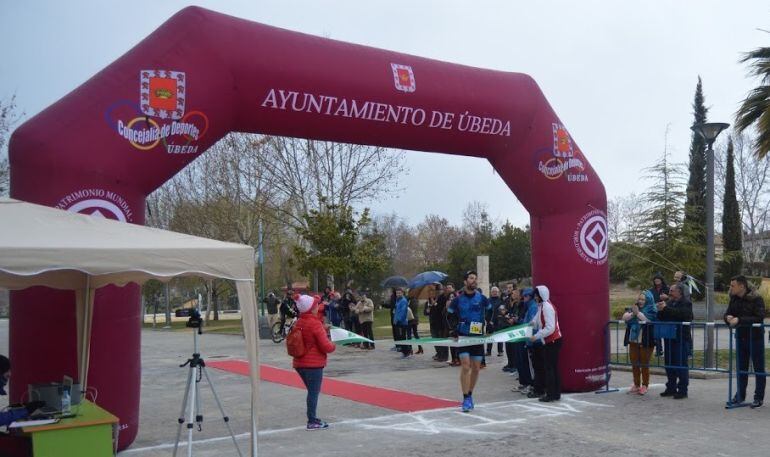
546,330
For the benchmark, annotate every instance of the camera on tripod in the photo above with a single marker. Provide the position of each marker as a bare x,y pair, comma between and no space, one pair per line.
191,403
195,320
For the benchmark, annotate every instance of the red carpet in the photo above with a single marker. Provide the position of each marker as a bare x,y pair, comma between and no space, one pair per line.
378,396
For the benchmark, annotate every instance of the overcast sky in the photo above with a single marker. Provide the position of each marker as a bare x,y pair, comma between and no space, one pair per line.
617,73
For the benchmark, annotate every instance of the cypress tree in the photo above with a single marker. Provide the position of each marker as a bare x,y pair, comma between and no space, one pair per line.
695,205
732,261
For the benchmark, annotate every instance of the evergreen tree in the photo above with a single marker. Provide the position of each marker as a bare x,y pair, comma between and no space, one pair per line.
510,254
732,259
662,248
695,206
339,245
461,257
662,218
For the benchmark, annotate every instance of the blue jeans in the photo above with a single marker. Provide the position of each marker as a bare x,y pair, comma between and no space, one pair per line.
522,364
751,349
675,356
312,377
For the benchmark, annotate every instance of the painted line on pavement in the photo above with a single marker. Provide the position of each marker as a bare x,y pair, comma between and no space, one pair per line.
437,421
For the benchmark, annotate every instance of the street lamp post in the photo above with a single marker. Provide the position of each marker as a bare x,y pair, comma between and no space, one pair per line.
709,132
261,254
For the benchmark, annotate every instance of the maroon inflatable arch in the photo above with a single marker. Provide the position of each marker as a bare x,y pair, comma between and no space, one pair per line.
104,147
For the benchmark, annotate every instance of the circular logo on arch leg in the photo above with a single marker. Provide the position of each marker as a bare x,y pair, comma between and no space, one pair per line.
97,203
591,239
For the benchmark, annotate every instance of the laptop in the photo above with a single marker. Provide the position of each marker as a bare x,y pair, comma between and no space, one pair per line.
51,394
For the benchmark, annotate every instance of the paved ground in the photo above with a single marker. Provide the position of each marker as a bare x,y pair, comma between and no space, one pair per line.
504,423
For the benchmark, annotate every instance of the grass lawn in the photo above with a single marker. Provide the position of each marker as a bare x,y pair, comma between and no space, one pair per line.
233,326
381,327
227,326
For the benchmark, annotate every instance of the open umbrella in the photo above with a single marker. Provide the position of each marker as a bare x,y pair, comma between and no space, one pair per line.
394,281
421,293
425,278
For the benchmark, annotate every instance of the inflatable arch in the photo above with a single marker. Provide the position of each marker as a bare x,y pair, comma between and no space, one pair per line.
108,144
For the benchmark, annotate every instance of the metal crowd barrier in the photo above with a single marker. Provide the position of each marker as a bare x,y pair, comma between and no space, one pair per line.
694,359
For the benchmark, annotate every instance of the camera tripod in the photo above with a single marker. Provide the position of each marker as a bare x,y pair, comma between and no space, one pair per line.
191,401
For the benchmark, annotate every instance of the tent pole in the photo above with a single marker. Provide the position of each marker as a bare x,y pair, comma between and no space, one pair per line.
168,307
85,336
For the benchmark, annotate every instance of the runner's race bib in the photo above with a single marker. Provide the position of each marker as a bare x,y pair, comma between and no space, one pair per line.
477,328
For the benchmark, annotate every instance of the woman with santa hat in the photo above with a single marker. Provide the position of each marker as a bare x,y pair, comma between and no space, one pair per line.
310,365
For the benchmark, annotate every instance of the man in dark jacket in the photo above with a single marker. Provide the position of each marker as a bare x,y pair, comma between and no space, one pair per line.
346,302
272,303
491,318
434,309
443,301
746,309
677,347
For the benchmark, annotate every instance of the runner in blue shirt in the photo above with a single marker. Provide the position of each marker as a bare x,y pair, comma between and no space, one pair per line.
466,318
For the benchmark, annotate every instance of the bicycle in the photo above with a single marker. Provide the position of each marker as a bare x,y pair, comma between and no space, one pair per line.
278,332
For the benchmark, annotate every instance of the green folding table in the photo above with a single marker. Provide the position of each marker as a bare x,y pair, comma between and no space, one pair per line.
91,433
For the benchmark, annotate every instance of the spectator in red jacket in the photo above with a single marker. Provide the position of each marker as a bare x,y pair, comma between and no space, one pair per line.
310,366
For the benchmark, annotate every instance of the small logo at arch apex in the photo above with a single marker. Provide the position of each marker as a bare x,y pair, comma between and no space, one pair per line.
403,77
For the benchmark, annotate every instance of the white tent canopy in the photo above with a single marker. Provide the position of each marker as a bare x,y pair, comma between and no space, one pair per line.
42,246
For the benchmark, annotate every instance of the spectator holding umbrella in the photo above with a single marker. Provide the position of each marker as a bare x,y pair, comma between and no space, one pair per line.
435,313
414,321
444,300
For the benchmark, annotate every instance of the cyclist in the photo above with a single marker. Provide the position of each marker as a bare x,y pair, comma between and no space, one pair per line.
288,309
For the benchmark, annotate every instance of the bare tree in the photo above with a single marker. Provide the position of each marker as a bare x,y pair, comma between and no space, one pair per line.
477,226
624,214
223,195
401,244
434,237
614,219
9,116
308,173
